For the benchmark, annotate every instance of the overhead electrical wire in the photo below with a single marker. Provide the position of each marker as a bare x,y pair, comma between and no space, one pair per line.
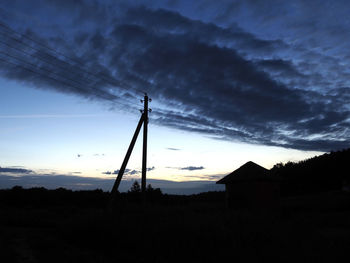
21,42
48,76
60,81
33,68
75,63
79,81
66,80
38,67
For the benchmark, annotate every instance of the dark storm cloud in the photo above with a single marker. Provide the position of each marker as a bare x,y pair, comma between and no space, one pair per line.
245,97
224,82
165,22
283,68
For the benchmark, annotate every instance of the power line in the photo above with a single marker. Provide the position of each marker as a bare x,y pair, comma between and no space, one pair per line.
79,81
40,68
62,82
79,89
107,78
37,56
31,54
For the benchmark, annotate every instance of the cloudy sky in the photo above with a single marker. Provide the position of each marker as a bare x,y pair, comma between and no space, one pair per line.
231,81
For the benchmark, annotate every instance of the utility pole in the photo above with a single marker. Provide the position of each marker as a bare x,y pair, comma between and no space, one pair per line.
143,120
127,156
144,148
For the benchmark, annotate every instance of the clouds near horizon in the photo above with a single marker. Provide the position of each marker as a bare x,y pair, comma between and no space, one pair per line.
15,170
129,172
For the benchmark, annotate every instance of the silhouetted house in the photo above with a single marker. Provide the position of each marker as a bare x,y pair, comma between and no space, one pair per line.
251,187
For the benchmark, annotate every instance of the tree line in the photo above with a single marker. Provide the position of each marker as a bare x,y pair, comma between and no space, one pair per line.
327,172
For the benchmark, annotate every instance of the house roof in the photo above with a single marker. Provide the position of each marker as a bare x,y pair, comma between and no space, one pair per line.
247,172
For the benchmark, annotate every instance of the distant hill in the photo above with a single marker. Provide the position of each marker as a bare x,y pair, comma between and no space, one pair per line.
326,172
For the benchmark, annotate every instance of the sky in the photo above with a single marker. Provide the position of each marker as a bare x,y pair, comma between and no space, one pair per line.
230,82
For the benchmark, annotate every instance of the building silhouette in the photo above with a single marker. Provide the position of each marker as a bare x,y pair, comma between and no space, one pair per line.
251,186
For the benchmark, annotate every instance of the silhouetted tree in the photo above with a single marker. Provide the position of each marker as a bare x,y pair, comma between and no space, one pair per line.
149,188
135,188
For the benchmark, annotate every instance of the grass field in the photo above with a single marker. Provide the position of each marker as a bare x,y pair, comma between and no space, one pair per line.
194,229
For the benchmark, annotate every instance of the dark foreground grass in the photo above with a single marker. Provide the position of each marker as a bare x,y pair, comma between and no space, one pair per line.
304,229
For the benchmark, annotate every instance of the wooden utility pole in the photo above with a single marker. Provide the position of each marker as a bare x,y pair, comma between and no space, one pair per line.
143,120
127,156
144,148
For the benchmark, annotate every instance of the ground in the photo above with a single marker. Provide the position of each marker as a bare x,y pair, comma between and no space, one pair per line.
312,228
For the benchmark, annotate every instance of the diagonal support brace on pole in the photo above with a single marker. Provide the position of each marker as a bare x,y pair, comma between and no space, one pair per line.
127,156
